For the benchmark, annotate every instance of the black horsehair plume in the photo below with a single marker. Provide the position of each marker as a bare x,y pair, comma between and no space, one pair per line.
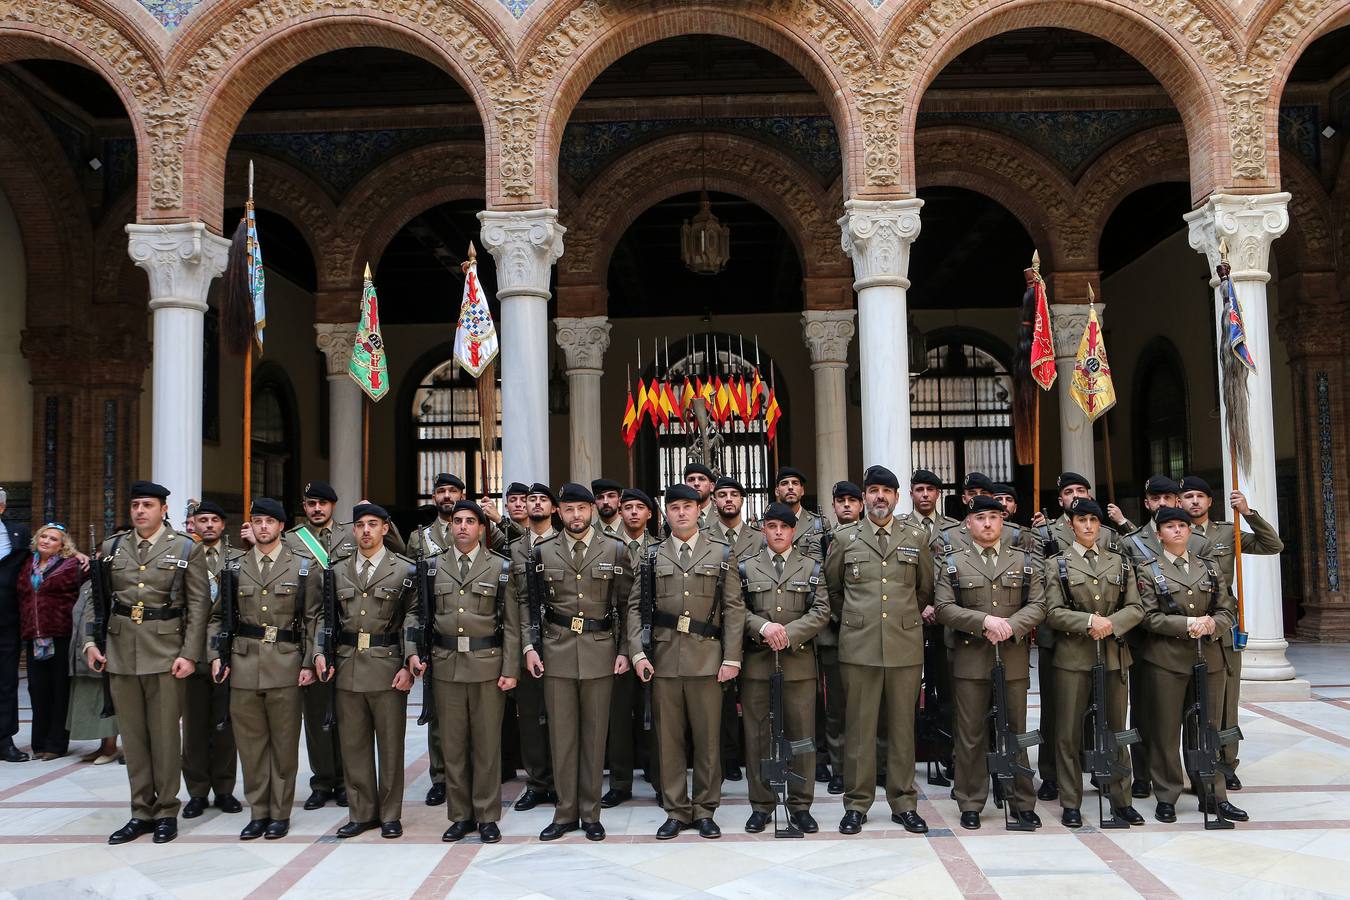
1236,363
236,302
1024,386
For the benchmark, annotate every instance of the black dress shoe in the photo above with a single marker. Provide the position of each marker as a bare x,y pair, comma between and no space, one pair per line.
1071,818
352,829
731,772
1227,810
318,799
836,785
1028,817
822,772
670,828
254,829
11,753
130,831
613,797
489,833
340,796
1166,812
912,822
757,822
1140,789
1232,782
970,820
1048,791
529,800
229,804
852,822
278,829
804,821
436,795
1129,814
707,828
391,829
165,830
195,807
459,830
555,830
594,831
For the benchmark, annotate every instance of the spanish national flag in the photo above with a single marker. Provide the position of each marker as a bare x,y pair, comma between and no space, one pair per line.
741,400
631,420
655,407
687,394
756,395
772,415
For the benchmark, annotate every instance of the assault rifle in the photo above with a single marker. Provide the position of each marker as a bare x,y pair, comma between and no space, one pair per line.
776,769
1202,742
646,611
426,640
101,597
1101,745
1005,746
933,726
227,584
328,642
537,593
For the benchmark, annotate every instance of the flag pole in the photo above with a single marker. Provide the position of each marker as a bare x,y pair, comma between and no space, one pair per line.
365,448
1224,272
1106,428
632,466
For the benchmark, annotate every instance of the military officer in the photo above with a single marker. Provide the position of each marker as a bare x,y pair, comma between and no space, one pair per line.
989,591
880,577
1091,600
529,693
608,494
789,488
976,484
503,531
209,755
697,620
786,606
575,644
160,603
1217,543
924,490
1186,605
1006,495
277,608
701,478
475,660
375,593
847,502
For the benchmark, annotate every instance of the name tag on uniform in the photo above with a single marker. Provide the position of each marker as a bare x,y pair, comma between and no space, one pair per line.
912,551
487,584
606,567
290,584
800,584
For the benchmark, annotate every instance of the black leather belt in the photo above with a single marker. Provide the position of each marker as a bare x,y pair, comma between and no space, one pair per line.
363,641
579,624
685,625
467,644
268,634
139,614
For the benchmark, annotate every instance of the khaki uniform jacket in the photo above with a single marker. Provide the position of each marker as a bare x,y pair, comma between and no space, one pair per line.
749,539
939,522
635,558
468,609
691,591
806,534
379,607
164,579
213,595
799,601
342,542
1108,590
598,588
430,539
1167,644
290,599
979,592
879,600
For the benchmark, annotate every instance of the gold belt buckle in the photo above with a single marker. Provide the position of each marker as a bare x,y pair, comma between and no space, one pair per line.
269,634
362,641
138,613
578,624
462,644
682,624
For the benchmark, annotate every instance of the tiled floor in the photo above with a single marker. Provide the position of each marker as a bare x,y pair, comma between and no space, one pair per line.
55,816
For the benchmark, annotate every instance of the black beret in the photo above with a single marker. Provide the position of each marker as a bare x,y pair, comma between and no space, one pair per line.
361,510
726,481
1082,506
471,507
983,503
846,489
516,487
605,485
266,506
445,479
680,492
882,476
544,489
781,512
638,495
1007,489
1195,483
1161,484
978,481
789,472
1067,478
142,489
210,508
923,476
571,492
321,490
698,469
1170,514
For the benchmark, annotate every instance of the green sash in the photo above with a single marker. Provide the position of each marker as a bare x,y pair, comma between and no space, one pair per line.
310,540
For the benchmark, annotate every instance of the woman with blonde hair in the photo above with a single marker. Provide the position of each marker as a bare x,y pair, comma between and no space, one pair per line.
49,584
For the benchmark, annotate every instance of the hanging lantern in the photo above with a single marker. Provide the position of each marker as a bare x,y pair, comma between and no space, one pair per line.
705,243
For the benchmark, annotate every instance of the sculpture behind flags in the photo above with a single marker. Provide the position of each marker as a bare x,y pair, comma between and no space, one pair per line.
1092,387
476,342
368,366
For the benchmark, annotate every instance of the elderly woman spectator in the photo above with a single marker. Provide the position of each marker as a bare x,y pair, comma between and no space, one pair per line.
84,718
49,585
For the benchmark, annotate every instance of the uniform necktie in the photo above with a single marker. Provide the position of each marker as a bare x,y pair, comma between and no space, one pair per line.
370,570
325,535
928,526
1091,557
990,557
685,553
731,536
778,565
463,566
578,554
266,569
883,542
144,547
633,547
212,556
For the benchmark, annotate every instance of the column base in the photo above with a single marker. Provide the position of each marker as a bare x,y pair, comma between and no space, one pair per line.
1265,661
1269,691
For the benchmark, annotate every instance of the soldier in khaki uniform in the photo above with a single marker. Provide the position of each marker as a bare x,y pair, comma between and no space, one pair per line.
503,531
1193,606
277,607
880,577
608,499
1216,542
789,488
209,755
1091,598
575,644
697,626
847,500
988,591
529,693
786,606
375,593
475,660
701,479
160,599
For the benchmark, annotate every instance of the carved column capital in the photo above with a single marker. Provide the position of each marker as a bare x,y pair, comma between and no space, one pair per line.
1248,224
828,333
877,235
583,342
335,339
525,245
180,260
1068,321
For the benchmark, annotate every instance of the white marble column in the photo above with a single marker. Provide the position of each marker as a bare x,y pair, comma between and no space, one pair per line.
1248,225
344,411
525,245
180,261
828,332
1076,449
877,235
583,342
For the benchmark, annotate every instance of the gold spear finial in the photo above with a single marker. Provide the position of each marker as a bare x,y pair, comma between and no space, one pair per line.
1223,251
1036,261
1091,296
367,271
472,260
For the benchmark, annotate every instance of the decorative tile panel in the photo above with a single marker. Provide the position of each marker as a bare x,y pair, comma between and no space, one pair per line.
170,13
1299,129
1326,482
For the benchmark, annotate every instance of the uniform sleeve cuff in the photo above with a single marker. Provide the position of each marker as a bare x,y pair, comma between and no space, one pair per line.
734,665
638,657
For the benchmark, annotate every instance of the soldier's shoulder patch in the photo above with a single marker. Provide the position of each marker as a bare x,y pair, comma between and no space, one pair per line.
235,554
502,557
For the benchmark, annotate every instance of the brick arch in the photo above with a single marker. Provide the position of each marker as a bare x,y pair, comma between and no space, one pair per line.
286,190
1311,241
237,47
566,50
116,278
674,165
1181,43
1148,157
1010,173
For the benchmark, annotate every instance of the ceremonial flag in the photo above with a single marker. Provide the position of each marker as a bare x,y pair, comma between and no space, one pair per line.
756,394
656,408
368,366
476,343
631,420
705,390
643,403
1236,363
1034,362
739,401
1235,330
670,405
243,305
772,414
1091,387
723,400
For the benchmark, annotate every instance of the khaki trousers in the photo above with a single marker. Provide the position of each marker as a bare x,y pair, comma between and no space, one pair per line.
1071,702
267,727
472,732
973,696
696,703
148,718
371,722
534,755
870,690
322,747
799,714
578,715
209,756
1170,694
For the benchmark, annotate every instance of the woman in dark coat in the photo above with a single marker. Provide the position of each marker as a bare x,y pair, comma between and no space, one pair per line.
49,585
